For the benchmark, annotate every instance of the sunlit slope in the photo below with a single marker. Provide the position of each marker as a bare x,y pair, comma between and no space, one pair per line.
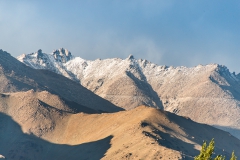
31,129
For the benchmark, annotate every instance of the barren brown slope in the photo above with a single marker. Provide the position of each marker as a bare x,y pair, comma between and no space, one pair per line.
38,111
15,76
25,117
38,131
147,133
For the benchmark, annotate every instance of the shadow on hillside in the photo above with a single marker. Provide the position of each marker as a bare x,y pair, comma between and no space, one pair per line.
73,91
75,108
169,141
186,149
146,89
203,132
14,144
233,88
232,131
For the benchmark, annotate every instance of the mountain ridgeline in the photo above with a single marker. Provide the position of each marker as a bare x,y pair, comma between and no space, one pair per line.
16,76
44,115
207,94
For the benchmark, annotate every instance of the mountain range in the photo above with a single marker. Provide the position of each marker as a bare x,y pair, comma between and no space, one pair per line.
45,115
15,76
205,93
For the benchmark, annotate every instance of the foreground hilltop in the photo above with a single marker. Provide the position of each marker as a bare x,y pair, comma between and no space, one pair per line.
40,125
207,94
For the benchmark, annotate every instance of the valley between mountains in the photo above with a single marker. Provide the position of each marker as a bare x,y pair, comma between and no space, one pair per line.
57,106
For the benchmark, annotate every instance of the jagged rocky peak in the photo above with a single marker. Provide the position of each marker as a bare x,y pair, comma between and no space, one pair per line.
39,53
130,57
62,55
221,69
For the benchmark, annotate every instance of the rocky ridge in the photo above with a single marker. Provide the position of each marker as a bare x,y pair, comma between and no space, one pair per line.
207,94
16,76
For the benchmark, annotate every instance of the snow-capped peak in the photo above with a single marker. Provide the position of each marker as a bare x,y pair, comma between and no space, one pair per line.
62,62
54,61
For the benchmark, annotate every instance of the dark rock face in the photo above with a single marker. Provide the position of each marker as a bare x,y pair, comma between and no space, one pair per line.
39,53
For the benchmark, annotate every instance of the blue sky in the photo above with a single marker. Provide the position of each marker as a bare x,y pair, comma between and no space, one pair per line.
170,32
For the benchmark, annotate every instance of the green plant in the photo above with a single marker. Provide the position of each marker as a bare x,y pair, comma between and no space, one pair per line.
233,156
207,151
